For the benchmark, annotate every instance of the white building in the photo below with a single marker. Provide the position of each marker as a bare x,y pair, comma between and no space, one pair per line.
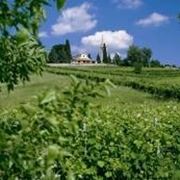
83,59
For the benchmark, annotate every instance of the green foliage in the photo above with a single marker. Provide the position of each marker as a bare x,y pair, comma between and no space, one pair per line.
98,59
139,55
159,82
155,63
117,59
68,49
60,3
60,53
19,58
109,59
105,55
20,54
147,53
134,55
138,67
64,136
20,14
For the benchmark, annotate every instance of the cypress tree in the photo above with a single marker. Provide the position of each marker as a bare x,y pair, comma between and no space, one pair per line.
109,59
60,53
89,56
105,56
68,49
98,59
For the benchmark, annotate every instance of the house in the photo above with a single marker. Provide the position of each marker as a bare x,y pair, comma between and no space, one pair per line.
83,58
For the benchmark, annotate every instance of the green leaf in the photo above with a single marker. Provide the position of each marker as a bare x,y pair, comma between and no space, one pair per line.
176,175
108,174
70,176
22,36
60,3
107,90
109,83
53,151
50,96
101,164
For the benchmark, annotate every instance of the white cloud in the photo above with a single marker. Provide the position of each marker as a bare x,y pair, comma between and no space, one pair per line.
129,4
115,40
43,34
75,19
154,19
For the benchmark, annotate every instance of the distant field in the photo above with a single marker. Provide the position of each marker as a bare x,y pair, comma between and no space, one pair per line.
159,82
120,96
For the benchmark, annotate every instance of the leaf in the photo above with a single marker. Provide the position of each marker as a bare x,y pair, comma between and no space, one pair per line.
64,153
53,120
176,175
22,36
101,164
50,96
28,109
108,174
107,90
53,151
110,84
60,3
74,79
70,176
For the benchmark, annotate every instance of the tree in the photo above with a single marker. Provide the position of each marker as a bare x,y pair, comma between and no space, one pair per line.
147,54
60,53
89,56
155,63
140,55
134,55
125,62
109,59
68,49
117,59
105,56
20,53
98,59
137,67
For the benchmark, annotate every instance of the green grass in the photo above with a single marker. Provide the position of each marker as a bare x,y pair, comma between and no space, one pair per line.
160,82
131,129
25,93
120,96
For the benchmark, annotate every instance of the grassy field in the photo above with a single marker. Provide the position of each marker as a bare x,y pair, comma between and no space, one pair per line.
159,82
37,85
130,134
120,95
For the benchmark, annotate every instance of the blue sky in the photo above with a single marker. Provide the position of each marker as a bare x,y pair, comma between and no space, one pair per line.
121,23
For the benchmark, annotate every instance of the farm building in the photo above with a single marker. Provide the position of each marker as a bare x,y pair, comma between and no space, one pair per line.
83,59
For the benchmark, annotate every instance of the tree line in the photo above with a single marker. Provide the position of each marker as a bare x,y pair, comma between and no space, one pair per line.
61,53
135,55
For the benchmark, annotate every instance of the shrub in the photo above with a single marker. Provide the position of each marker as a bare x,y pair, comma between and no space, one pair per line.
65,136
138,67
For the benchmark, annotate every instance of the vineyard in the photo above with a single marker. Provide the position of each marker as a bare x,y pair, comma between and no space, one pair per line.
159,82
94,123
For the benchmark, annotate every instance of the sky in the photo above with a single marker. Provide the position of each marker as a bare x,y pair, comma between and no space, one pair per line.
119,24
